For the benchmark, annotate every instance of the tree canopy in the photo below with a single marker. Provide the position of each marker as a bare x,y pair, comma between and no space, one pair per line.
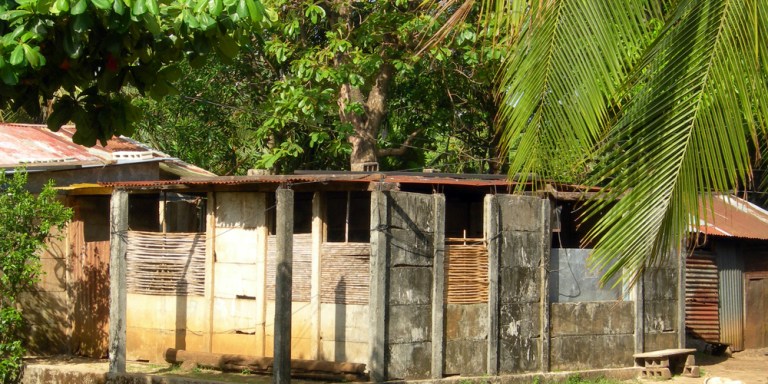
332,80
75,57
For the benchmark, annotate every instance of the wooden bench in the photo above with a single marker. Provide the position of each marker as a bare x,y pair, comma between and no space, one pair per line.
661,364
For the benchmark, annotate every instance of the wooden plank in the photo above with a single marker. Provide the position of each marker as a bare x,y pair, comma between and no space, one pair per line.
438,288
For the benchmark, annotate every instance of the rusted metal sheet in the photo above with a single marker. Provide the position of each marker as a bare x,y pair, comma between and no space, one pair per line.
35,144
731,216
731,267
88,288
701,296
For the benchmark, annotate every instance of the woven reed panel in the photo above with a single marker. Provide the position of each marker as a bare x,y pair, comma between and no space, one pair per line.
302,267
466,264
345,273
166,263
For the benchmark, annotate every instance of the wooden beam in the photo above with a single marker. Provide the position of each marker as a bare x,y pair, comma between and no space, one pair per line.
118,221
283,286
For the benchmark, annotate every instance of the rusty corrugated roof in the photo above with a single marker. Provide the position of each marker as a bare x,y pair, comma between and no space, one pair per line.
36,147
23,144
731,216
325,177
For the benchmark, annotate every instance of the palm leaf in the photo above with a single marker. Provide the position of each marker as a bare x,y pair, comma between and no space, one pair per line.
559,84
698,96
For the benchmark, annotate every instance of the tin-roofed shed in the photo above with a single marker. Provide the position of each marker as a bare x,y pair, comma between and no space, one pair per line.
415,275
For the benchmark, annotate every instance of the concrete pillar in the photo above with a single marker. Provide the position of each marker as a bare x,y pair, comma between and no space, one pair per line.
438,289
377,302
118,299
283,283
680,257
210,256
639,316
491,230
546,247
318,229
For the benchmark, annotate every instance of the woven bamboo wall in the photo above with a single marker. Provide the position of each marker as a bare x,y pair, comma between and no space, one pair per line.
345,273
302,267
466,264
166,263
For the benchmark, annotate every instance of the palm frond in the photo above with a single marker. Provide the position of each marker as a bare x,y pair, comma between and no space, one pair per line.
558,86
686,132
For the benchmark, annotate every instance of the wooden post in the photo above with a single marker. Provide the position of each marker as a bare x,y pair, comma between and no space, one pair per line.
492,238
378,288
210,263
118,220
317,253
546,246
438,289
283,285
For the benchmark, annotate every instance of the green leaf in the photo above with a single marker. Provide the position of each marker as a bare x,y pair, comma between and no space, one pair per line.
242,9
139,7
17,56
9,76
79,7
73,45
152,7
215,7
62,113
255,10
119,7
60,6
227,46
81,23
102,4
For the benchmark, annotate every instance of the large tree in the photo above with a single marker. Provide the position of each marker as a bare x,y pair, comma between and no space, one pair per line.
660,102
72,59
332,81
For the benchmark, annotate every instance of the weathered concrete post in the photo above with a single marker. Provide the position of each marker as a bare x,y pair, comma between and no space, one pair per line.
317,253
283,283
680,256
118,221
492,238
639,316
438,289
546,247
378,288
210,264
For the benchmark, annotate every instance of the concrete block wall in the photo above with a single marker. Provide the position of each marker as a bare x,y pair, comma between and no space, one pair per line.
592,335
523,229
662,309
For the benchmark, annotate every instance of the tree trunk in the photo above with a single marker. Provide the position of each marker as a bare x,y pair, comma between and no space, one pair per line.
365,125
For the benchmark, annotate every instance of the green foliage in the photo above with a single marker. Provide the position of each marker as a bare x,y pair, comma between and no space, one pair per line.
81,54
26,221
659,113
278,105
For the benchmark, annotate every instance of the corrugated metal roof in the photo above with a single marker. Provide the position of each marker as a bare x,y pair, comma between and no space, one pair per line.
22,144
731,216
304,178
38,148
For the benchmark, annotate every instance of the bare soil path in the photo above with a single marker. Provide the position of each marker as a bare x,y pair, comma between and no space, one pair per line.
750,366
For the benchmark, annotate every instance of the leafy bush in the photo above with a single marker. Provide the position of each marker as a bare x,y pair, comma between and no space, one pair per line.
26,221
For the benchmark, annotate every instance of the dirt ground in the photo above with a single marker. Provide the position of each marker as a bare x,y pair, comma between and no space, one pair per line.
750,366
